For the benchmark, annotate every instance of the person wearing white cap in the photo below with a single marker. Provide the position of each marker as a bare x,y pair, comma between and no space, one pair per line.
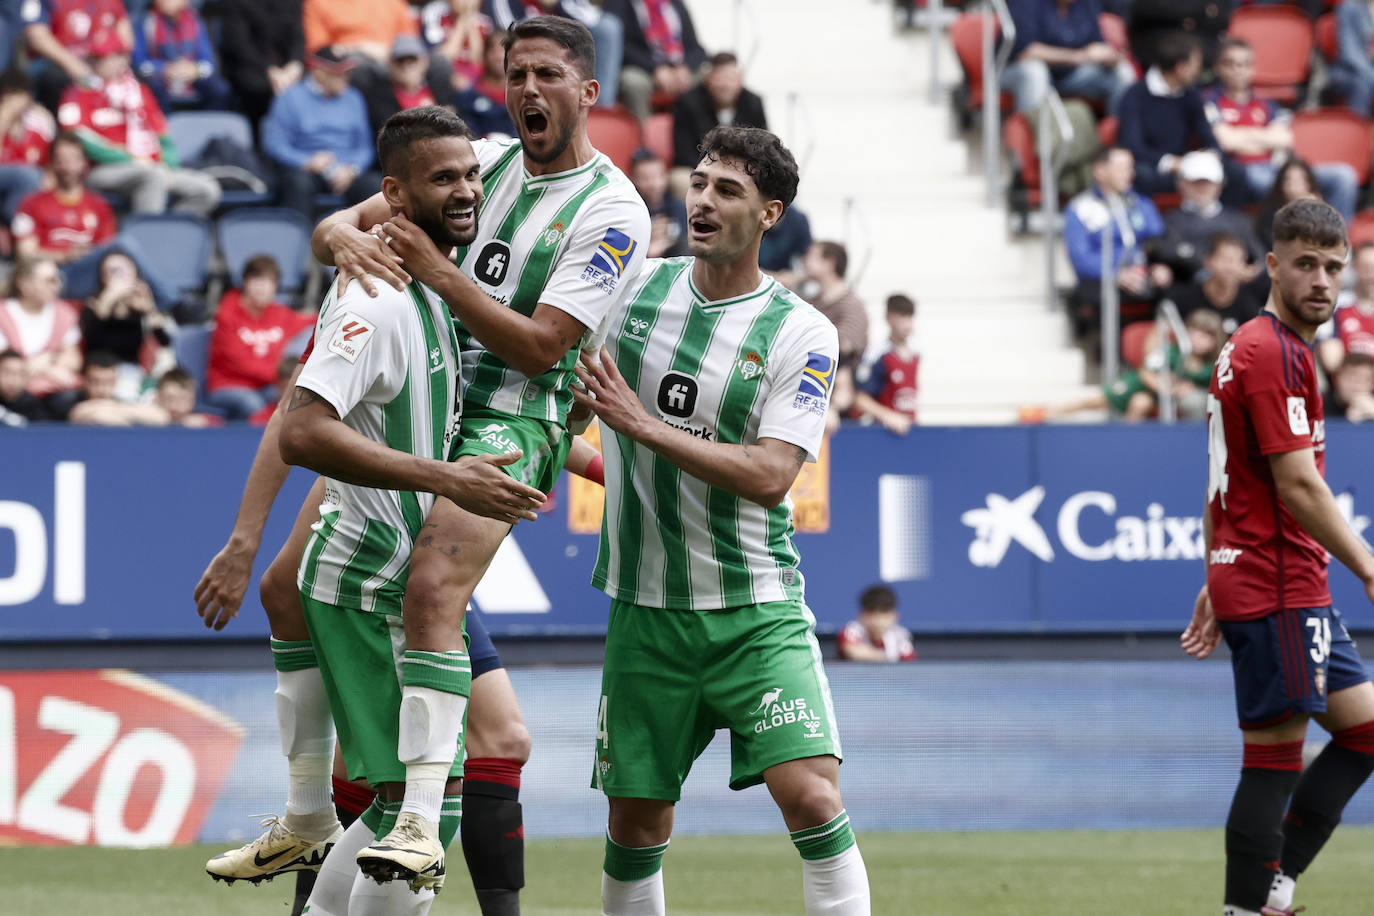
1201,215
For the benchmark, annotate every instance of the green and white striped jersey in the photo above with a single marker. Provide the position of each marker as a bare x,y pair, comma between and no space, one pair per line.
389,367
572,240
736,371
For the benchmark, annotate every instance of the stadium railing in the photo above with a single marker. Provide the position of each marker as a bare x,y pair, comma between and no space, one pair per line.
1109,307
994,62
1057,122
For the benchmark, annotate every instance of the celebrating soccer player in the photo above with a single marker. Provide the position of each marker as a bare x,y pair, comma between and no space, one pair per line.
1270,522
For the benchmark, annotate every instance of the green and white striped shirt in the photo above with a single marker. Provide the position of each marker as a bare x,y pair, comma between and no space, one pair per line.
736,371
389,367
573,240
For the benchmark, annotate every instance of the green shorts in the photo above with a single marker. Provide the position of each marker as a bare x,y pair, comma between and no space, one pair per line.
673,678
360,660
544,444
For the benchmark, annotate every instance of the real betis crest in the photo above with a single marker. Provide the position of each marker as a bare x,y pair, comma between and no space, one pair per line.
553,234
750,366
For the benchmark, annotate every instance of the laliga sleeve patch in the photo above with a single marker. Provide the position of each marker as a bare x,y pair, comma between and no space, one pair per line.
1297,417
608,261
813,391
351,336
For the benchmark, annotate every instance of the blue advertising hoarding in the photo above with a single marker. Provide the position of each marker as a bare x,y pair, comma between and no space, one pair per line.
104,533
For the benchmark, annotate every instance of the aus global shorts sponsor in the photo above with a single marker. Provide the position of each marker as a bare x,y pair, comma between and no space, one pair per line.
813,391
608,262
774,711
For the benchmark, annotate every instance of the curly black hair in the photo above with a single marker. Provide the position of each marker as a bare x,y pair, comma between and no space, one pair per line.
763,156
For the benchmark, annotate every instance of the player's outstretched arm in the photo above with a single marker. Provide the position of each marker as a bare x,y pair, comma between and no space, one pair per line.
221,587
344,240
1305,493
313,436
761,473
530,344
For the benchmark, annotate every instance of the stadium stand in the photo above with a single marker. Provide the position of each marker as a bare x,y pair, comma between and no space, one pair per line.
254,230
1282,37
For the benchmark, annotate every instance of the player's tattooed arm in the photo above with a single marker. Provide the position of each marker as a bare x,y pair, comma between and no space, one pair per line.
801,455
302,397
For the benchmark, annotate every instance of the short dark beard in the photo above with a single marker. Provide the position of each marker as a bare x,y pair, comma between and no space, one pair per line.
441,235
560,145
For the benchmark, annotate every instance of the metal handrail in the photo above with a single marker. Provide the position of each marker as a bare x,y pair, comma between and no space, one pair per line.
800,130
936,33
994,61
1110,307
1054,117
744,10
1170,324
854,216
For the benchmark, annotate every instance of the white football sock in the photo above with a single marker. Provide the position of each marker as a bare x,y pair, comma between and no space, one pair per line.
307,739
633,898
837,885
431,725
1281,892
334,884
393,898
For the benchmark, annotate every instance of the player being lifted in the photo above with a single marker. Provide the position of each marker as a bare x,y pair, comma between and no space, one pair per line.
713,391
1270,522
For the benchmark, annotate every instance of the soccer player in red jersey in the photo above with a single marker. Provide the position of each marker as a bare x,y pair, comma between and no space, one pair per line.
1270,522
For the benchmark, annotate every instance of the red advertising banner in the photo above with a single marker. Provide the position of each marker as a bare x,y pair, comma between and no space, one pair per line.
109,758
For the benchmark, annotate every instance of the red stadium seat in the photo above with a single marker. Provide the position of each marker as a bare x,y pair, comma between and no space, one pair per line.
1326,36
616,133
1019,140
966,35
658,137
1282,39
1134,337
1362,228
1333,135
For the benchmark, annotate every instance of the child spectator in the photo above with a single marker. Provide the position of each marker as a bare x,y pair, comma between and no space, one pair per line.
26,131
1222,286
1352,389
172,54
45,331
99,405
251,331
61,33
667,213
17,406
125,133
122,319
483,105
1351,328
886,385
876,636
176,397
457,30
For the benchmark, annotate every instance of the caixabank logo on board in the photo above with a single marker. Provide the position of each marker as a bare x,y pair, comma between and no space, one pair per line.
109,758
1094,526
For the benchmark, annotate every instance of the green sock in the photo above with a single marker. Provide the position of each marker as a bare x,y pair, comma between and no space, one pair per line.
826,840
624,863
450,819
380,816
293,655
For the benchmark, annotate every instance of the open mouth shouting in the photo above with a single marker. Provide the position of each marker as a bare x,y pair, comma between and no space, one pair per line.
535,121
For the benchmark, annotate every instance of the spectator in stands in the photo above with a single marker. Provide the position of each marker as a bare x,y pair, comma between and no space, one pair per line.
1200,216
825,266
483,105
172,54
1295,181
96,403
318,134
17,406
457,31
124,132
876,636
1352,73
408,82
26,131
122,319
1059,43
60,33
662,53
1133,219
176,396
1222,285
361,29
886,383
1163,117
1351,328
100,405
73,225
45,331
262,50
1153,22
608,34
667,214
251,332
784,246
1255,131
1351,394
720,98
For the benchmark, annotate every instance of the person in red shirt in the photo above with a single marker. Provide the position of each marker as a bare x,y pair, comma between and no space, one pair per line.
26,130
125,134
1269,523
886,385
68,221
60,33
1351,328
251,332
876,636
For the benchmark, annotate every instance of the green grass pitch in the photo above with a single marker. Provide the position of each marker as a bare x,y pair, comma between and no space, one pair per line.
959,874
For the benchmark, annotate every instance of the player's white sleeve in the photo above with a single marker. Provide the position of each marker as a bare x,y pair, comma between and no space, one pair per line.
359,350
802,368
604,252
